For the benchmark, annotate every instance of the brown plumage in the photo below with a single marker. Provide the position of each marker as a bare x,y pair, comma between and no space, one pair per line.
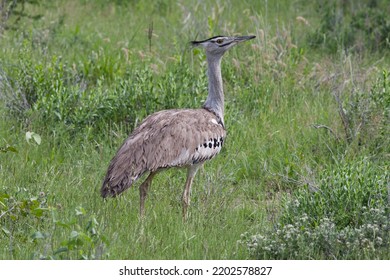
174,138
170,138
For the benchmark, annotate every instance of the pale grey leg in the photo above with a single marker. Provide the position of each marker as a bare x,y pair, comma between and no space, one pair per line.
143,191
191,172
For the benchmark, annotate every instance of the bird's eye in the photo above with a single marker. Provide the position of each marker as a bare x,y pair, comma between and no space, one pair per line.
220,41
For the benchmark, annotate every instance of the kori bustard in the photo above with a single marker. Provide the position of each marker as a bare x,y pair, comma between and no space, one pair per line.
175,138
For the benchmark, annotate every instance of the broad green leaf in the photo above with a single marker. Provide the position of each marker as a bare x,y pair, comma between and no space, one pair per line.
28,136
37,138
32,135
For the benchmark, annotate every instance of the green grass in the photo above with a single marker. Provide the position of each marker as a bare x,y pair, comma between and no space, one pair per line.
68,176
82,76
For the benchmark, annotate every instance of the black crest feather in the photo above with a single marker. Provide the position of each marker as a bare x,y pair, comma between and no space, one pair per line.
195,43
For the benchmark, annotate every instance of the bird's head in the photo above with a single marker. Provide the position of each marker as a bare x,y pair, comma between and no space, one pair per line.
218,45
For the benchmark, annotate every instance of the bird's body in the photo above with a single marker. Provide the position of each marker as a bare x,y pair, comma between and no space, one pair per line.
174,138
169,138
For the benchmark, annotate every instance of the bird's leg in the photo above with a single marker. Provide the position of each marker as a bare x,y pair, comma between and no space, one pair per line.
143,191
191,172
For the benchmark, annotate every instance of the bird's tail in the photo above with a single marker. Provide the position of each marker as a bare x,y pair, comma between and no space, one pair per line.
116,182
111,190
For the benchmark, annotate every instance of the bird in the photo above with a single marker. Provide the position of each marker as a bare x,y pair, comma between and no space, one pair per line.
175,138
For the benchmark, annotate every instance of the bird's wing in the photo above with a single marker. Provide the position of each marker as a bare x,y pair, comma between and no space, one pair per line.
183,137
165,139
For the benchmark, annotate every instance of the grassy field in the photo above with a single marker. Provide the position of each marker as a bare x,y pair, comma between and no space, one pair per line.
305,170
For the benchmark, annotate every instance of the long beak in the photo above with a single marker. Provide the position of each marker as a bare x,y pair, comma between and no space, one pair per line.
244,38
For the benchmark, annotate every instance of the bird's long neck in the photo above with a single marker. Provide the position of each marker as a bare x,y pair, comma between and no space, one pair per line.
215,99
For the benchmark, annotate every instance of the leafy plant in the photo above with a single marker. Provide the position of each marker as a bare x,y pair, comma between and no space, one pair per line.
32,135
83,240
366,115
51,92
340,194
300,240
352,26
16,9
19,211
8,148
347,215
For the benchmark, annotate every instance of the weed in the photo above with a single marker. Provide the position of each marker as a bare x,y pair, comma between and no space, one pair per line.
79,238
361,27
345,216
14,10
301,241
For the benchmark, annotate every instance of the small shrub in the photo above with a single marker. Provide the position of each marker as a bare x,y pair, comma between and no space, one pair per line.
51,238
83,239
340,194
53,92
346,216
14,10
301,240
365,116
18,214
352,26
368,115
